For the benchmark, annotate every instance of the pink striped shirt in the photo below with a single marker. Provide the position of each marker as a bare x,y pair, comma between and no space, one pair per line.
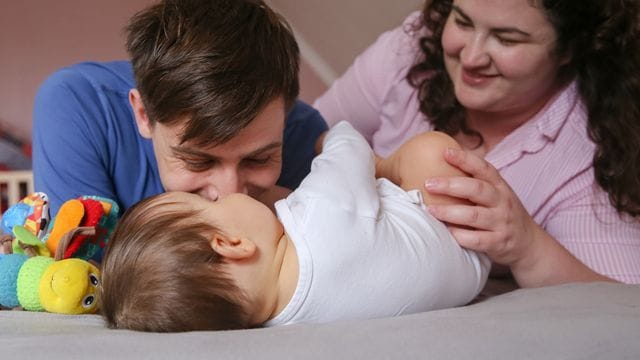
546,161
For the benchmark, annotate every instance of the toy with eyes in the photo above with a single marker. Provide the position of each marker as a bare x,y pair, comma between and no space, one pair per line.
40,283
50,265
70,286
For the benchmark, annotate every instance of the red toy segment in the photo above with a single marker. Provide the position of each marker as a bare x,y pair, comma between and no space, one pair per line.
93,211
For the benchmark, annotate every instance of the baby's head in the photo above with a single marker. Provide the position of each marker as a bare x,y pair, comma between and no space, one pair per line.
174,264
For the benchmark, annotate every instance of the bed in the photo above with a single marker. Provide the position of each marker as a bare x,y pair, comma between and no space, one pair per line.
572,321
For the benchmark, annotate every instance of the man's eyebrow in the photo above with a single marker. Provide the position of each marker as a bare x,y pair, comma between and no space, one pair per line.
499,30
181,150
264,149
187,151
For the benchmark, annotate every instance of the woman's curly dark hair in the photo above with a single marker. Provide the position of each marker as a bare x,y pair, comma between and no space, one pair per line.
602,40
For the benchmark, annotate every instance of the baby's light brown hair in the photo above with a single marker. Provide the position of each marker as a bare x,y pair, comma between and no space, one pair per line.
160,273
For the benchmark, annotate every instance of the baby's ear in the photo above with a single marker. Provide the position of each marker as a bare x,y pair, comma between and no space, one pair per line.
233,248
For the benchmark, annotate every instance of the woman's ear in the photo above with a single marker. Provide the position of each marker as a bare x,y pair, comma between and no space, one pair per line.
233,248
145,128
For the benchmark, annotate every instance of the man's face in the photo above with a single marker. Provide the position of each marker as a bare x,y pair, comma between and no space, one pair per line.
249,163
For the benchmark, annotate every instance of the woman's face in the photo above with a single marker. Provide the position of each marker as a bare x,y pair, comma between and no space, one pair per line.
500,55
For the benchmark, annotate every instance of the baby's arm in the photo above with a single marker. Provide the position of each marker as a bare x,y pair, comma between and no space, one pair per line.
418,159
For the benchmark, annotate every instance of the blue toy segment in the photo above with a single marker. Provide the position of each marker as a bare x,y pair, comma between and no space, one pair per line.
32,212
15,215
9,268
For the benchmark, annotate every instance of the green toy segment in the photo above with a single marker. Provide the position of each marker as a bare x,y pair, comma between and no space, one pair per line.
28,238
29,280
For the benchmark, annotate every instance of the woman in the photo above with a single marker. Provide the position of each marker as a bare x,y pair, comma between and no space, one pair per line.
543,96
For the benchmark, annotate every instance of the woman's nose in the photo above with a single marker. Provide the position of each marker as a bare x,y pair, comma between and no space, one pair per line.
474,54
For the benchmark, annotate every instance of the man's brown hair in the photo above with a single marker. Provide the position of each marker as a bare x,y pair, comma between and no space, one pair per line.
216,62
160,274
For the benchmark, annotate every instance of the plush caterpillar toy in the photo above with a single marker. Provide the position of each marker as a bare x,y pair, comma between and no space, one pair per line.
40,283
53,267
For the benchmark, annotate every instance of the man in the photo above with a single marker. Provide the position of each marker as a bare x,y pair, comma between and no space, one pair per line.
214,80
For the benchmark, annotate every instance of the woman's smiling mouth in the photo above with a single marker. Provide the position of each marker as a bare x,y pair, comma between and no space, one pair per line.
476,79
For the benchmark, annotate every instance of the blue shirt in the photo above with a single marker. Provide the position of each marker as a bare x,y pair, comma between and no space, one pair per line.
86,142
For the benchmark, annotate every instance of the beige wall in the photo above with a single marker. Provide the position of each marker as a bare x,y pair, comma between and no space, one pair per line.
39,36
332,32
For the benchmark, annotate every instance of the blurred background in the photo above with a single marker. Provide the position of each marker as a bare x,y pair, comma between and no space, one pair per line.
37,37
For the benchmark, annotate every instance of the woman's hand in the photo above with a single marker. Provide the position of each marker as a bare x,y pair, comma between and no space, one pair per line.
499,225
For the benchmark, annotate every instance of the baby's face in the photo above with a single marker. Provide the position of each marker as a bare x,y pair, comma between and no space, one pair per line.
190,201
239,216
232,213
236,215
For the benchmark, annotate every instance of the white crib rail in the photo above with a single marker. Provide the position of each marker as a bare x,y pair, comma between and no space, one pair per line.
18,185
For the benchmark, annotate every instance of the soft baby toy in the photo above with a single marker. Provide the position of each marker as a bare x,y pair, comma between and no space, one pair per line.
50,265
28,281
27,243
83,225
70,286
9,267
39,283
31,212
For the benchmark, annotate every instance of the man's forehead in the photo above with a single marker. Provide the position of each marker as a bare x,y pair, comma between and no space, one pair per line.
263,134
226,150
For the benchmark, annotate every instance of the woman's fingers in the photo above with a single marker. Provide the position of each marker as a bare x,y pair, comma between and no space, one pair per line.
477,217
497,223
483,185
473,165
502,252
475,190
473,239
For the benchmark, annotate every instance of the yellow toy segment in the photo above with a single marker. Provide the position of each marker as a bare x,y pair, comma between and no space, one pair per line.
70,286
69,217
106,207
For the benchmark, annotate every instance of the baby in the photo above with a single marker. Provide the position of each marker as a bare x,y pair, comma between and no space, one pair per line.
347,244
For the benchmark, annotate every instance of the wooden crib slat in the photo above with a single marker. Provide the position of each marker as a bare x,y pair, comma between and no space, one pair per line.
14,180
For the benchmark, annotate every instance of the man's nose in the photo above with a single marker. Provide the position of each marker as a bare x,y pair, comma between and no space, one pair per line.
223,182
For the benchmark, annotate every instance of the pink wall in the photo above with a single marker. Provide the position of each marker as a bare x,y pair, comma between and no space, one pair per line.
311,86
38,37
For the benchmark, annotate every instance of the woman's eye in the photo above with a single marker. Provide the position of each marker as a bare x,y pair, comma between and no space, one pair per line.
507,42
462,23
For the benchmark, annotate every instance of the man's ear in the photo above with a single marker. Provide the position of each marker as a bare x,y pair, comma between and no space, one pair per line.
233,248
145,128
